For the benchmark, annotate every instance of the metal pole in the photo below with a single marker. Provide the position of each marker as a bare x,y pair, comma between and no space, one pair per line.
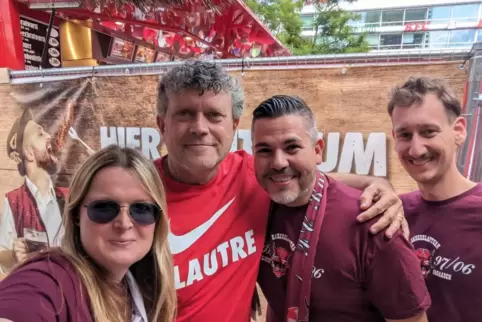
468,156
384,57
475,148
46,45
159,72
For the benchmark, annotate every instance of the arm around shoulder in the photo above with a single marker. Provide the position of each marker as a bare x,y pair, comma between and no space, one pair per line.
378,198
354,180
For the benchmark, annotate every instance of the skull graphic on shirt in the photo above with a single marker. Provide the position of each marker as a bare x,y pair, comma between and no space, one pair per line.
279,260
425,258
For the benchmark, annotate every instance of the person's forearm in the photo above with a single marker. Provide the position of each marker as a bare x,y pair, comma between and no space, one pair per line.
6,258
354,180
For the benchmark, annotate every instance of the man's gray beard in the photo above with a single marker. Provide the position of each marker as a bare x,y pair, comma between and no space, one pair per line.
284,197
287,197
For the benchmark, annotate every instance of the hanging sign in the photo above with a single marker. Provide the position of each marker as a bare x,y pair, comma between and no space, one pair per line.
34,36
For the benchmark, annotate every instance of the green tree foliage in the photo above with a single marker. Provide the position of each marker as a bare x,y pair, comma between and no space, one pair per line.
282,17
332,32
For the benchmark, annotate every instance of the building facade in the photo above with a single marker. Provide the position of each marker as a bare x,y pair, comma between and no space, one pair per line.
411,24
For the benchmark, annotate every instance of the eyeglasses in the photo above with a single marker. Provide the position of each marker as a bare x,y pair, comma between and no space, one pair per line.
104,211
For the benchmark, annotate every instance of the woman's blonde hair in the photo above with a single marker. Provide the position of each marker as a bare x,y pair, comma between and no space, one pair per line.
153,273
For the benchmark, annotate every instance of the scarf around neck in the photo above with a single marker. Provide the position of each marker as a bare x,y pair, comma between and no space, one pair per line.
299,277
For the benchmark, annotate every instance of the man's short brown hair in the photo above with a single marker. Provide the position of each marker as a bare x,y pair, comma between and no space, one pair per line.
415,89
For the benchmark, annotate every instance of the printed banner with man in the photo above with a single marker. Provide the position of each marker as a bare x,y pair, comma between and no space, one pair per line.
41,120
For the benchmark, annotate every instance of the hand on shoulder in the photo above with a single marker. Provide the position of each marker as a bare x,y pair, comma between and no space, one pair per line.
380,198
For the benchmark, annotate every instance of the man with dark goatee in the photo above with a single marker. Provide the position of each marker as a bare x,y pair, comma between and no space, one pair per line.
319,263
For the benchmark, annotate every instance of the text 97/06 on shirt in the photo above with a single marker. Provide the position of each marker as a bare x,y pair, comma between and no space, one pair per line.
444,263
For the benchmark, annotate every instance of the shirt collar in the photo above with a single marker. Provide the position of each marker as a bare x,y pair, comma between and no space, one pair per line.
35,191
137,299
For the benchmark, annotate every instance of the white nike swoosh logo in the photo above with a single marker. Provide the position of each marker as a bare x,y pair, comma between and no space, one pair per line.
178,244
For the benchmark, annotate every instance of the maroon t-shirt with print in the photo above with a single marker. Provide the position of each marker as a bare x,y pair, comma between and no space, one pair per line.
447,237
357,276
46,289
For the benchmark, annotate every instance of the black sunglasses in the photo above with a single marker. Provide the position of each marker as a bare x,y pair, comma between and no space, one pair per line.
104,211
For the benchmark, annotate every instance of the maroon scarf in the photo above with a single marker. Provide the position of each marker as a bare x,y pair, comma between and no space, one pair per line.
299,278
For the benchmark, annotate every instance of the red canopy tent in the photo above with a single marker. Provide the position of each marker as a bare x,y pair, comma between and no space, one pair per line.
191,28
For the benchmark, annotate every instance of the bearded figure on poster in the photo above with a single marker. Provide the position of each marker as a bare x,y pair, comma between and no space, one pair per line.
31,219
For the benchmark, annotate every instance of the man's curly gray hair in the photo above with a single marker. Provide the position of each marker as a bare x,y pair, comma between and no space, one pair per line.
202,76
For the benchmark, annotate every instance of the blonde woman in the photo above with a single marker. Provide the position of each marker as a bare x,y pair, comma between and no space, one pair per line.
114,263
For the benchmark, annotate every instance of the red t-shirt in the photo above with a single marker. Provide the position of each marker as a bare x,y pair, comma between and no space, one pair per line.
446,236
46,289
218,231
357,276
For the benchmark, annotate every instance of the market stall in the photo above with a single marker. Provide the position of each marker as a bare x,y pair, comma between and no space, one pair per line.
93,32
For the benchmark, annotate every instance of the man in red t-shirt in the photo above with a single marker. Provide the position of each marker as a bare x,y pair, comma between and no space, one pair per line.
313,238
445,214
218,213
